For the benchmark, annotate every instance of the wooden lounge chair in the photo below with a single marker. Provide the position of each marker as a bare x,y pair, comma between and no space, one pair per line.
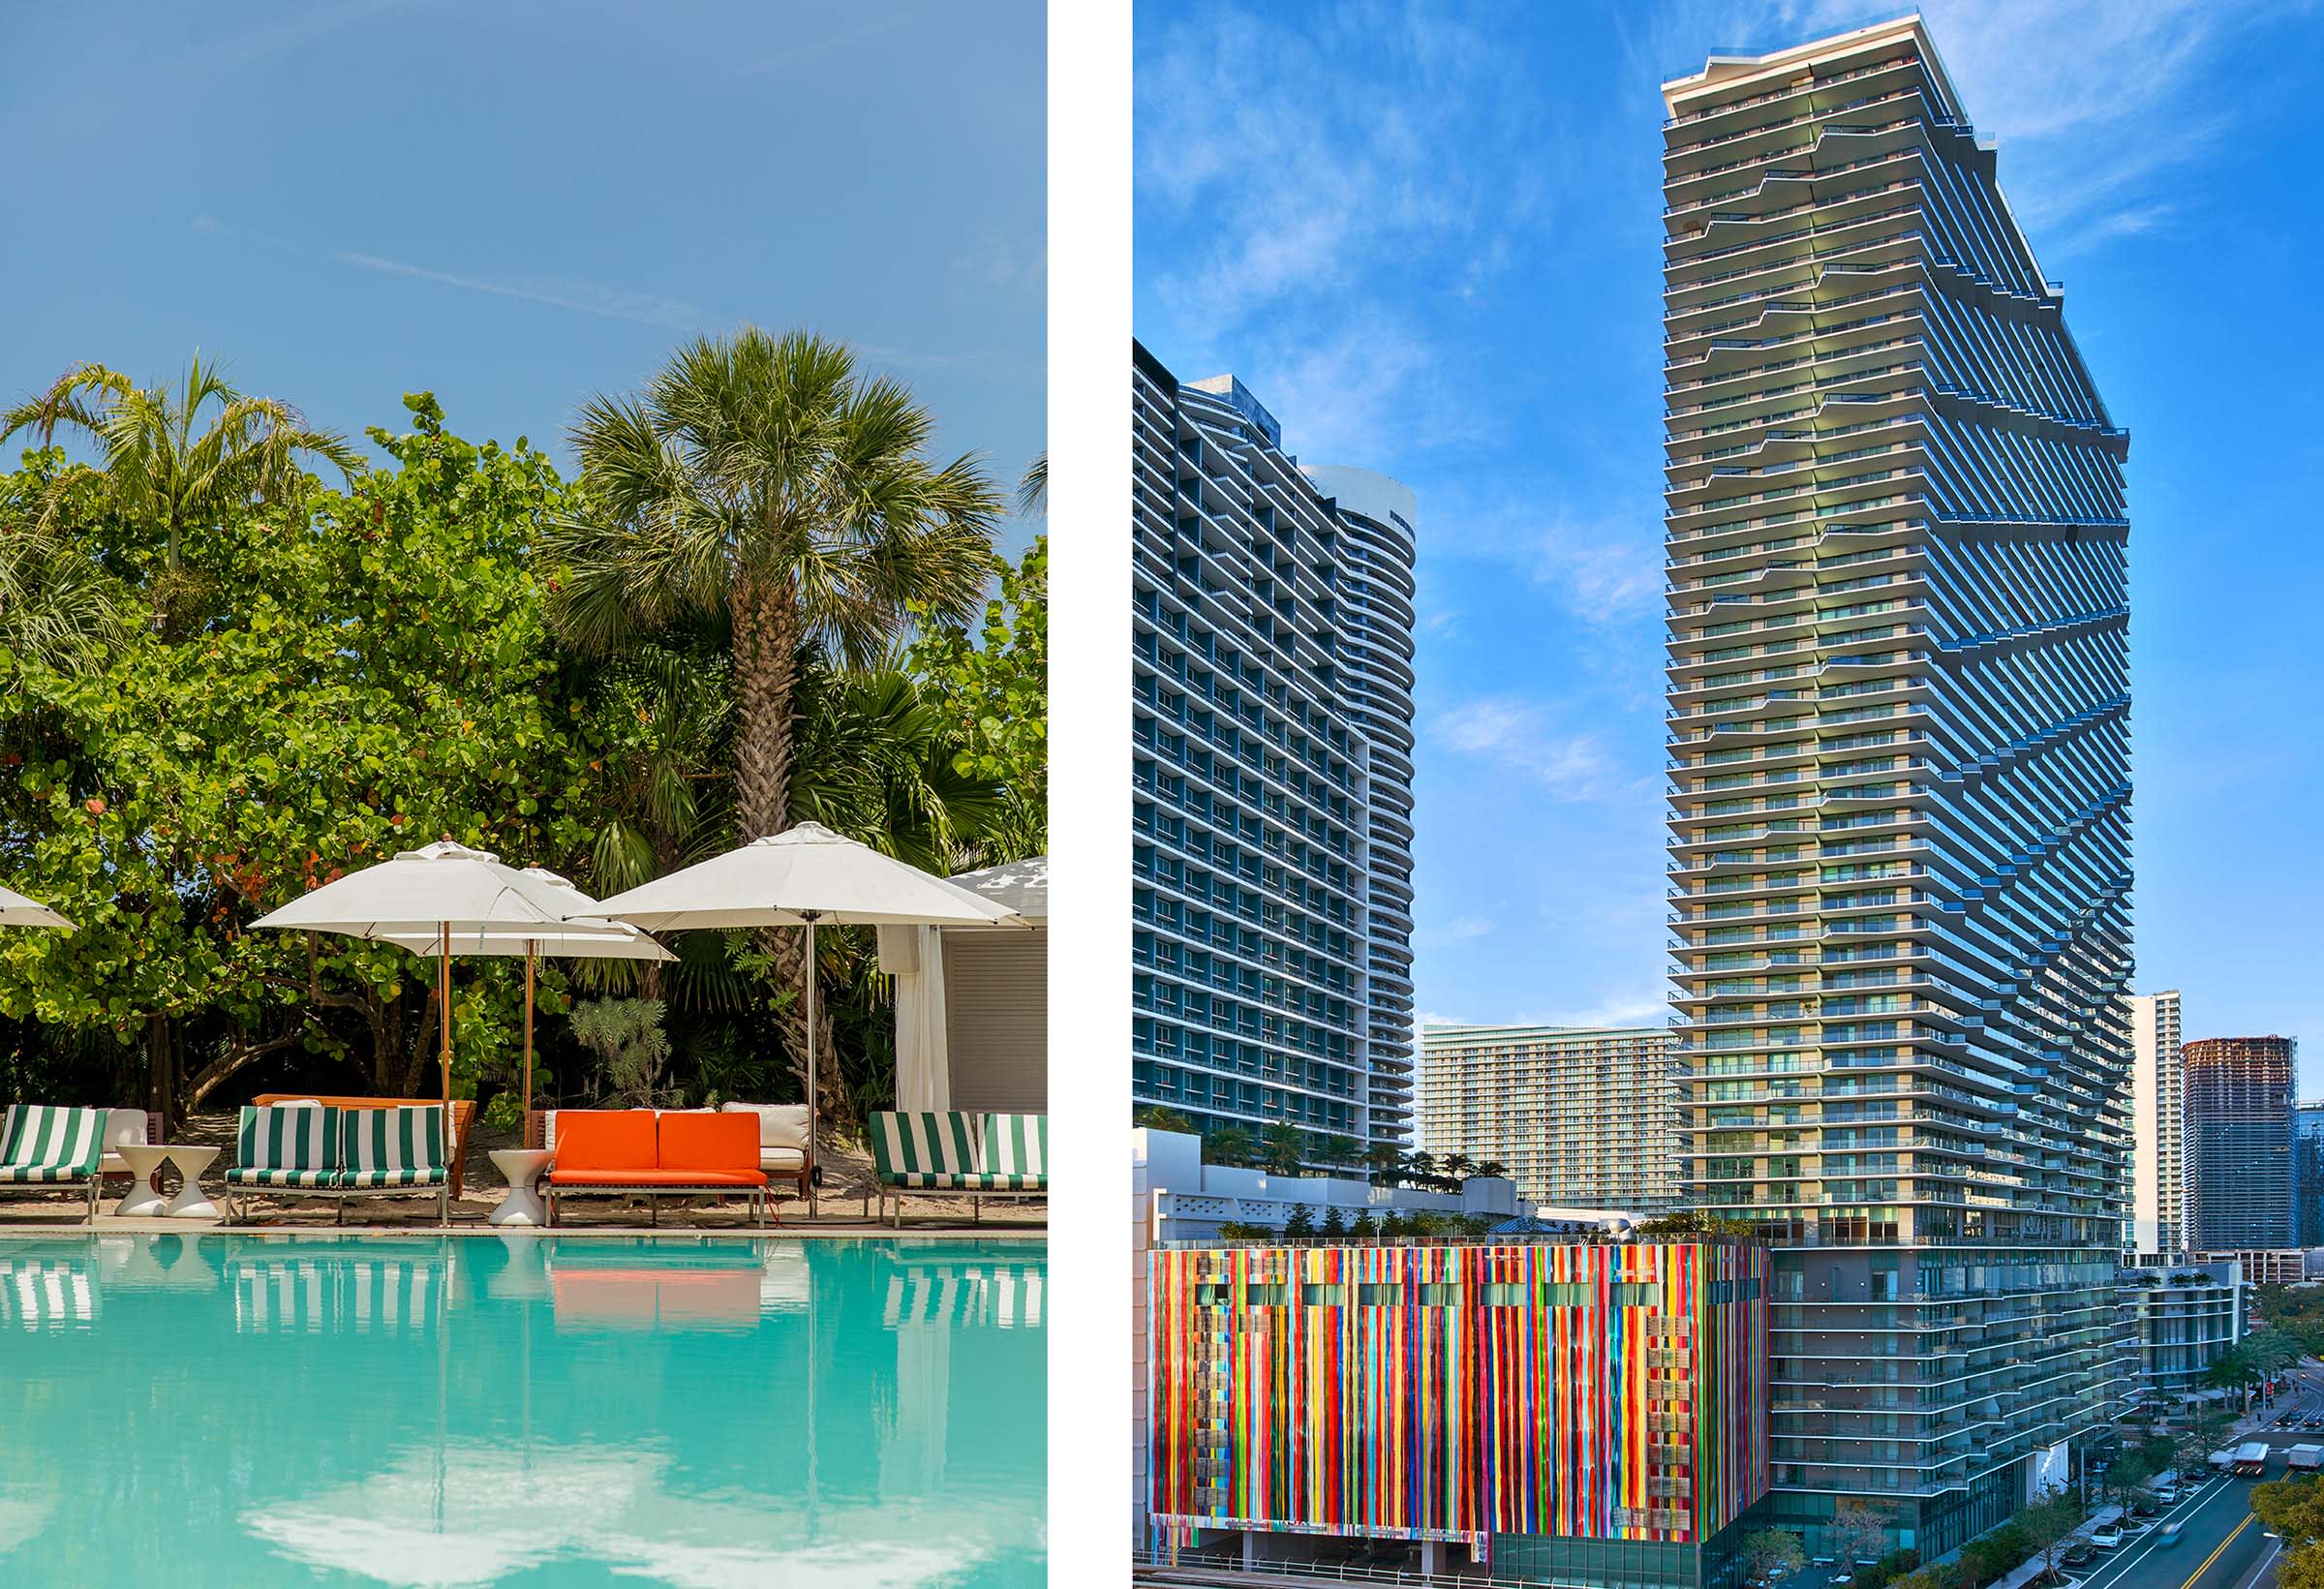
955,1153
317,1149
44,1146
633,1153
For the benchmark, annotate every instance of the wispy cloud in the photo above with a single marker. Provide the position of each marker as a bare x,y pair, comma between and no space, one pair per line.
1460,930
1523,737
553,291
1304,155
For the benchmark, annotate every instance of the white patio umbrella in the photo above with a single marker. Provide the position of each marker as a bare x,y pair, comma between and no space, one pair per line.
16,911
431,893
582,936
799,878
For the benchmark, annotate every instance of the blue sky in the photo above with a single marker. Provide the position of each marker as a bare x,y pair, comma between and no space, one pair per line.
1428,237
517,204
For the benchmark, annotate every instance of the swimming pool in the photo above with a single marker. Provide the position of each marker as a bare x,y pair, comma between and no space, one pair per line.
439,1411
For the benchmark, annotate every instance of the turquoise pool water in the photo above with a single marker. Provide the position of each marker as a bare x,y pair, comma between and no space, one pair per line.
241,1410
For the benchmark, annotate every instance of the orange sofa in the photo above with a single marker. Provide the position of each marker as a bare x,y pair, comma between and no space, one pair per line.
637,1152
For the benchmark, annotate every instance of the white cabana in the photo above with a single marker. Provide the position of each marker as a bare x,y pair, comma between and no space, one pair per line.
433,892
981,993
800,877
16,911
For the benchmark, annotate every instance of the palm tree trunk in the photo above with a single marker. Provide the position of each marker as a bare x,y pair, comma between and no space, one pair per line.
766,673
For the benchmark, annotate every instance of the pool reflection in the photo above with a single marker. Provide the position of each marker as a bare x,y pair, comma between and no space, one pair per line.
532,1409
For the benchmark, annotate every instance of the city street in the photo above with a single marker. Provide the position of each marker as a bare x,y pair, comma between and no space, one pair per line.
2220,1544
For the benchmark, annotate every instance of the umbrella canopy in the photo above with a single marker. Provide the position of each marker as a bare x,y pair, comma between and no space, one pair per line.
16,911
796,878
419,891
806,872
432,893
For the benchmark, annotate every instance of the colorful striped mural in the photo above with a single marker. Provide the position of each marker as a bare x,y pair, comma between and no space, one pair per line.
1594,1392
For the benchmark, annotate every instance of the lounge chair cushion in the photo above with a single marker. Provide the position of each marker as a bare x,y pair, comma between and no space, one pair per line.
243,1175
723,1142
364,1181
606,1139
565,1176
1016,1151
400,1147
918,1143
42,1143
299,1136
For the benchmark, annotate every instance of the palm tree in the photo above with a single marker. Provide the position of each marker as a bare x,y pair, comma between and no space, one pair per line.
1421,1166
178,460
57,608
767,483
1282,1148
1456,1165
1230,1144
1385,1161
1493,1170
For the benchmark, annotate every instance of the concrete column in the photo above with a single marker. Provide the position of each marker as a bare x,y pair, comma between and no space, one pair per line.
1432,1556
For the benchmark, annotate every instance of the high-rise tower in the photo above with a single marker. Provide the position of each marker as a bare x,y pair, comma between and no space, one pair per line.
2239,1141
2155,1226
1900,785
1272,755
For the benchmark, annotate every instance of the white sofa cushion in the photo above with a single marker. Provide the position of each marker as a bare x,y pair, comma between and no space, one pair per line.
781,1133
121,1125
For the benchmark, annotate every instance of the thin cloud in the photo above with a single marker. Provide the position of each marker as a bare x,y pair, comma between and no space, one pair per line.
1460,930
1521,736
553,291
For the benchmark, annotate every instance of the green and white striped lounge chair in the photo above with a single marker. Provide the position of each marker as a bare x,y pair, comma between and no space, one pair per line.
319,1150
955,1153
284,1149
45,1145
398,1151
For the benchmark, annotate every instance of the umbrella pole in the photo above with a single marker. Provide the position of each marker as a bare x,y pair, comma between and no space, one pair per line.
444,1008
526,1124
811,1066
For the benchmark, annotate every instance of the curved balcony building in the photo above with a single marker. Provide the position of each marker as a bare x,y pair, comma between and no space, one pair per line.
1271,728
1376,587
1900,785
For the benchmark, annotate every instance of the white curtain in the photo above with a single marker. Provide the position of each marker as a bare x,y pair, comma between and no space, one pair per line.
914,956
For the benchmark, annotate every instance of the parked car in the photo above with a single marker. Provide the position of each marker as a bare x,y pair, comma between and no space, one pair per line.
2076,1554
2107,1538
2143,1506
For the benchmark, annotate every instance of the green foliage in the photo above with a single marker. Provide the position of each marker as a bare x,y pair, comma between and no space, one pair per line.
1361,1227
1282,1148
1334,1226
2294,1508
624,1036
1157,1117
1770,1550
1991,1554
991,692
380,680
1299,1224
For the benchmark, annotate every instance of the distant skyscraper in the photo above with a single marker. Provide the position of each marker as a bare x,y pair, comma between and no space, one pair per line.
2307,1174
1271,728
2156,1169
1582,1117
1900,788
2238,1136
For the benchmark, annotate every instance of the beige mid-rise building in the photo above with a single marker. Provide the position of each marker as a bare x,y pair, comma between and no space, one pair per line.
1582,1116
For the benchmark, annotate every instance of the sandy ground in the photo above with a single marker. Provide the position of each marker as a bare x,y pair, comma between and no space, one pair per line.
843,1200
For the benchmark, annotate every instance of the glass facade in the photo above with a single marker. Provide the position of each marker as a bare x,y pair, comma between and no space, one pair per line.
1900,784
1272,773
2238,1136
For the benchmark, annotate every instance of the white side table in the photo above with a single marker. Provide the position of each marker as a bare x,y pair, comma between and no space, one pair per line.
520,1168
143,1199
191,1202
